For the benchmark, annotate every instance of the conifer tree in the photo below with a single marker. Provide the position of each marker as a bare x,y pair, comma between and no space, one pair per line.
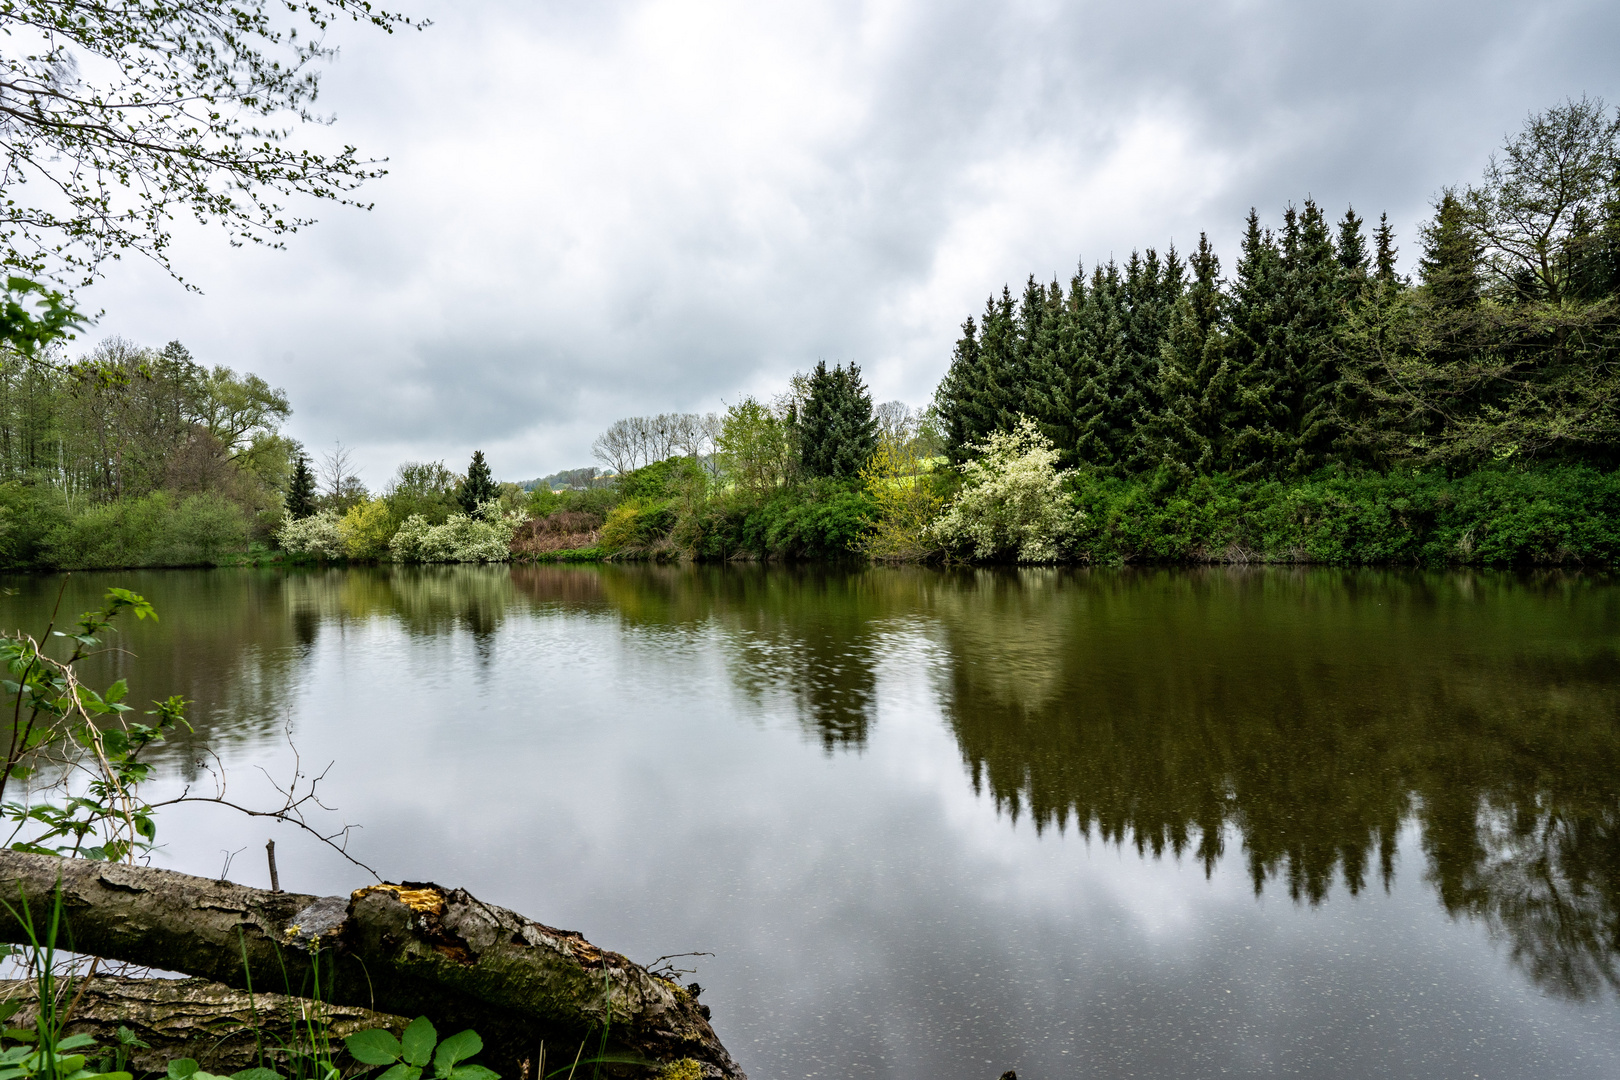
1100,348
959,399
301,489
479,487
837,431
1195,382
1320,281
1255,292
1385,252
1450,267
1051,396
1352,251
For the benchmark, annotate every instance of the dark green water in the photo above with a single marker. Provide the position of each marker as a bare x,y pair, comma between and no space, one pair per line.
935,825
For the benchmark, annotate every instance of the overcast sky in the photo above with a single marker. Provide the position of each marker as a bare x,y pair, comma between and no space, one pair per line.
599,210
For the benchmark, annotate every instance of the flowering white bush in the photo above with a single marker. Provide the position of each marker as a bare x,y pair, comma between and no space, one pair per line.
320,535
486,538
1011,500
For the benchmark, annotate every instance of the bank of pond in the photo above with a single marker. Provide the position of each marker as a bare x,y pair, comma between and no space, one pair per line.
1013,511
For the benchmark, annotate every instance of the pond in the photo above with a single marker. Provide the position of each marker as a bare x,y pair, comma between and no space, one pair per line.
1132,823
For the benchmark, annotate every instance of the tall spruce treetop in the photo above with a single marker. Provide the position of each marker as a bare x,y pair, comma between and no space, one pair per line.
837,431
1352,250
1450,265
1385,252
301,489
479,487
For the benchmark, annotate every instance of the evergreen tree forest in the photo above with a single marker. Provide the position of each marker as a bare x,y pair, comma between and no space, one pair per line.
1315,354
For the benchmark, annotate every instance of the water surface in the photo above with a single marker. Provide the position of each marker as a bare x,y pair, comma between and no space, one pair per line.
1101,824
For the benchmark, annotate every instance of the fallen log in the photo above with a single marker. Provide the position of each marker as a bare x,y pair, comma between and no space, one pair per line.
222,1029
406,949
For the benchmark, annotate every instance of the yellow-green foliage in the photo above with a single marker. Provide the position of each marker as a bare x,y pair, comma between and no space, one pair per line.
684,1069
906,504
637,523
366,529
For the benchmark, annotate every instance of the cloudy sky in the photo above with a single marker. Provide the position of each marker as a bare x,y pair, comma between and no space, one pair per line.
634,206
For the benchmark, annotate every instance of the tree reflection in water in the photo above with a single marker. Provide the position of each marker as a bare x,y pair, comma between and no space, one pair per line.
1300,718
1307,716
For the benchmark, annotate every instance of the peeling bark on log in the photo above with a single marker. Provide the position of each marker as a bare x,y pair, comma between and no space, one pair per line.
193,1018
408,950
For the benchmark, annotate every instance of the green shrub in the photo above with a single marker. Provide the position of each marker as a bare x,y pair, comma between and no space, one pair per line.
819,519
598,501
663,480
367,529
153,530
637,523
1552,515
29,512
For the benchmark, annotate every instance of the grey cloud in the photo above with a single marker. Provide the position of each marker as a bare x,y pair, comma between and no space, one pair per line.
602,210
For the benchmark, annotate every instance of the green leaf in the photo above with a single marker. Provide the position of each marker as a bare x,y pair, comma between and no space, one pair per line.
457,1047
418,1042
20,1034
114,1076
9,1009
258,1072
374,1047
74,1042
182,1069
401,1071
474,1072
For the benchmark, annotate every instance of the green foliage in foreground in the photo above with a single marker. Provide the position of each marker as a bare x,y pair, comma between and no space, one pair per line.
1559,515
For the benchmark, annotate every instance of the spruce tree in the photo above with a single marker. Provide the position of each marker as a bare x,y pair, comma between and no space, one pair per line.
961,398
1152,288
479,487
1352,252
1252,447
1054,375
1195,381
1101,345
1385,252
1450,267
301,489
837,431
1319,281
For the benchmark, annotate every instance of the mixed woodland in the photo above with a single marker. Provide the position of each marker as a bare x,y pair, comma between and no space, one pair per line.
1310,403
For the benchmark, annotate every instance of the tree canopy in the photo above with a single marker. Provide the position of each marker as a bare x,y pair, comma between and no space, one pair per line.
836,429
120,117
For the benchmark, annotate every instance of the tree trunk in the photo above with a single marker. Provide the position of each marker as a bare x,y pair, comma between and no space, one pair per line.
223,1029
409,949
